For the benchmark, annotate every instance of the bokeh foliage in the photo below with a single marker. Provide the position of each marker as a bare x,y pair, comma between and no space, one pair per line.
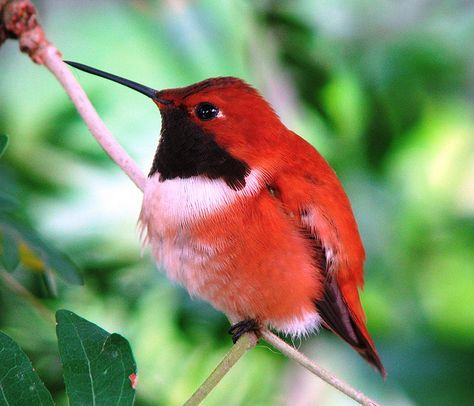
383,89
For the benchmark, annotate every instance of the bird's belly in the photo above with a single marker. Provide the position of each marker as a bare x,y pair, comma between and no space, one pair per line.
187,261
226,251
176,215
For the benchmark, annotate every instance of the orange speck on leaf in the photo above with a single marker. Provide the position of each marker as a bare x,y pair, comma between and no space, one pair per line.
133,380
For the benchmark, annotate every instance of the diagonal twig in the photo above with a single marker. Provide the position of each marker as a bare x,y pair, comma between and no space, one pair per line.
245,343
100,132
310,365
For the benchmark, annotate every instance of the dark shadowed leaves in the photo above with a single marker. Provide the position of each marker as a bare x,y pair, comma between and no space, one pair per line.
97,365
34,253
9,252
7,203
3,143
19,383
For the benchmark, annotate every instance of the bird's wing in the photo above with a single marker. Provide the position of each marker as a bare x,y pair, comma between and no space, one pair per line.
322,211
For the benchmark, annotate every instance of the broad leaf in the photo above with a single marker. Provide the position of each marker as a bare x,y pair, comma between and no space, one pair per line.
3,143
99,368
20,385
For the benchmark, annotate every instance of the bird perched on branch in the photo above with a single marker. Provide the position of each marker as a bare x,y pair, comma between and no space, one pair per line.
247,215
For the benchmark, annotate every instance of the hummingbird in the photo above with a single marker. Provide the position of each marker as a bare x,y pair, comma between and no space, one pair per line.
247,215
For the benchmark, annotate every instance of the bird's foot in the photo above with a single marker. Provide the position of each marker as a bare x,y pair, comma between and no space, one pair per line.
242,327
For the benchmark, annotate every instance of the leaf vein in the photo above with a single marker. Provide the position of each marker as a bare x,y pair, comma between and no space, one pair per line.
91,378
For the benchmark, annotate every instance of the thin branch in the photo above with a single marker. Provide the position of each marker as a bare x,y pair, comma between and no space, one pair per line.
12,284
101,133
311,366
20,21
245,343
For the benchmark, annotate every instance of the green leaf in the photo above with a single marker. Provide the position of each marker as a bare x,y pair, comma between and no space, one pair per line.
50,256
19,383
9,254
98,366
3,143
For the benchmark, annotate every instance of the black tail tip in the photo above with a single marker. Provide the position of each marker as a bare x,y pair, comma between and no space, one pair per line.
374,360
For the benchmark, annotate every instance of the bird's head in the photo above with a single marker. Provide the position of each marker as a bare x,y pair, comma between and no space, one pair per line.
218,128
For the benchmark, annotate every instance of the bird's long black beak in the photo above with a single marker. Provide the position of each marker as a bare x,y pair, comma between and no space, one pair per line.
147,91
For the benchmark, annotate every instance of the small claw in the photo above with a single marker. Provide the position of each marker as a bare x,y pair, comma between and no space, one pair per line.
239,329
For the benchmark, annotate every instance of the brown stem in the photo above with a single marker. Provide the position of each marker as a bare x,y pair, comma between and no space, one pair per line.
18,20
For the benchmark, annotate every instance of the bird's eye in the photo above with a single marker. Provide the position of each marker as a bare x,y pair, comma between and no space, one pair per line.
206,111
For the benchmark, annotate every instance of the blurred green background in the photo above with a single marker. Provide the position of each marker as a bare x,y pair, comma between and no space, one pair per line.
383,89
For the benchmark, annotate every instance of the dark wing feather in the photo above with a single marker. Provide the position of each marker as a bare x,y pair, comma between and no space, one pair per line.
336,315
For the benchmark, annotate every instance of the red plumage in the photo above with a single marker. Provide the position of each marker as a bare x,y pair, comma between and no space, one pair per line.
285,249
250,217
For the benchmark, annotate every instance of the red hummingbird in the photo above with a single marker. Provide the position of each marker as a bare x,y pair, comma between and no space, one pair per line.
249,216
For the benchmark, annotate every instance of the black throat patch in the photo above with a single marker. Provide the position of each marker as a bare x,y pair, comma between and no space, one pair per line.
186,150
